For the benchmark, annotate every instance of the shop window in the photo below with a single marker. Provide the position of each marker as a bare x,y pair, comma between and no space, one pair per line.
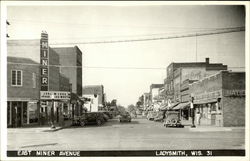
16,78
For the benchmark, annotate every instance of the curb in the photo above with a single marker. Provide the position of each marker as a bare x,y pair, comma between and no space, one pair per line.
53,130
209,129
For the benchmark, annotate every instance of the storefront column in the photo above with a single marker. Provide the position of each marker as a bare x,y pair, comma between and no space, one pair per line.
21,113
10,113
28,115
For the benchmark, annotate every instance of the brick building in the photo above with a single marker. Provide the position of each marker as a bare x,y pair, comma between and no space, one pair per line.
177,73
70,59
24,101
220,99
23,91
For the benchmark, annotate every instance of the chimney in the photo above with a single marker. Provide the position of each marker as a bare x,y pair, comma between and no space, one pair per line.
207,60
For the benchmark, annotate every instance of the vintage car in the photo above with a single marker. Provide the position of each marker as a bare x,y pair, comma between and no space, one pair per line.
125,117
151,115
105,116
89,118
160,116
172,119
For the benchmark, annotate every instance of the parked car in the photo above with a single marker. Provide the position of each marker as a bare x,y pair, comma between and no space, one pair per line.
172,119
125,117
159,116
89,118
105,116
151,115
109,114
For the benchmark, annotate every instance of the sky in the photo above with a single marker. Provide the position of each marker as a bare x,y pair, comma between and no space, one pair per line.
127,69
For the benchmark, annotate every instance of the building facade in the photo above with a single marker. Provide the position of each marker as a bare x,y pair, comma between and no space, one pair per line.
23,91
220,99
96,94
27,78
70,60
177,73
155,96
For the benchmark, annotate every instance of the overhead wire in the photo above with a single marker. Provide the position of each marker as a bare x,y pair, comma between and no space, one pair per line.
97,67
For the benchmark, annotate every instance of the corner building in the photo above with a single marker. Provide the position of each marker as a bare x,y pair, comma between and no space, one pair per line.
220,99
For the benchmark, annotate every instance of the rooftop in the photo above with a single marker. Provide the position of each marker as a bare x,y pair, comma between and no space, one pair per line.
21,60
93,89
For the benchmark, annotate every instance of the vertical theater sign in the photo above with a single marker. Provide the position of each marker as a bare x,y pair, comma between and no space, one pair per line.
44,60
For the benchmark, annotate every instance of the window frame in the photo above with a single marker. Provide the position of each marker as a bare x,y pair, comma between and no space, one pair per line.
16,85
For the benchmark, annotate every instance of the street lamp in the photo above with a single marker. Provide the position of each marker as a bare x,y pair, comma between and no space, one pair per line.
52,112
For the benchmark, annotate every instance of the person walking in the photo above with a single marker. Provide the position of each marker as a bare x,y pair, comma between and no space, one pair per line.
198,118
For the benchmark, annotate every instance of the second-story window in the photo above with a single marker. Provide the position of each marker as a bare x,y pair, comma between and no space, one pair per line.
16,78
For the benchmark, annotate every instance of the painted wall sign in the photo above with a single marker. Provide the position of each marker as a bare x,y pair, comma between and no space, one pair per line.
234,93
44,61
56,95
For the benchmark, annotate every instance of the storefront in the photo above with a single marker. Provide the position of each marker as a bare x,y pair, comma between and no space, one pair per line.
22,112
219,100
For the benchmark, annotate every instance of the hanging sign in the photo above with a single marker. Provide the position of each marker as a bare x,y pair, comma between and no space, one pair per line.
44,61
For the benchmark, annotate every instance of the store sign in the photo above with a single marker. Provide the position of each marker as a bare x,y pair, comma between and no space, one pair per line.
234,93
44,61
208,95
55,95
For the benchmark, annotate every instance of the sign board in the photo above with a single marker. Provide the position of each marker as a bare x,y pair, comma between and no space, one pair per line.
234,93
55,95
44,61
208,95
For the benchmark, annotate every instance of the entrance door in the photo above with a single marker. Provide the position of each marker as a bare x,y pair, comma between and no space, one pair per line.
16,114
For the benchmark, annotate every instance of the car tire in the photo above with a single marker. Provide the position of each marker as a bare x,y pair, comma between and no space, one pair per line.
99,122
82,123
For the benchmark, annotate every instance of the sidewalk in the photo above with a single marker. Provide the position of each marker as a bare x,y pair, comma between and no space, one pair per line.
208,128
36,129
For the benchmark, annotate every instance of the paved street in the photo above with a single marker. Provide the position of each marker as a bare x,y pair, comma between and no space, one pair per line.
140,134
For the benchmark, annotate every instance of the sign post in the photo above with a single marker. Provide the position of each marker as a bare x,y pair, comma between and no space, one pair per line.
192,111
52,113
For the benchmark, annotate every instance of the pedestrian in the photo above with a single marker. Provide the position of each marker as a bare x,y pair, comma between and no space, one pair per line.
198,118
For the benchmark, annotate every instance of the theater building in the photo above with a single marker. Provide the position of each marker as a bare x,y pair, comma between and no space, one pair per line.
36,79
220,99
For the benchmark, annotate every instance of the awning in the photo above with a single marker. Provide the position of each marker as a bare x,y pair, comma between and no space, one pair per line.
173,105
164,107
74,98
181,106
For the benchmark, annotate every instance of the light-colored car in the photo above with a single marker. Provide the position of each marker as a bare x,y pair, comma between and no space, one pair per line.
172,119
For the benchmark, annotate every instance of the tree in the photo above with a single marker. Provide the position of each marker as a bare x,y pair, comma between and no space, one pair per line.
132,109
121,109
113,102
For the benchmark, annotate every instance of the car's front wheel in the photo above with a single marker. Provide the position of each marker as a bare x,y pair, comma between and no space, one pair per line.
82,123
